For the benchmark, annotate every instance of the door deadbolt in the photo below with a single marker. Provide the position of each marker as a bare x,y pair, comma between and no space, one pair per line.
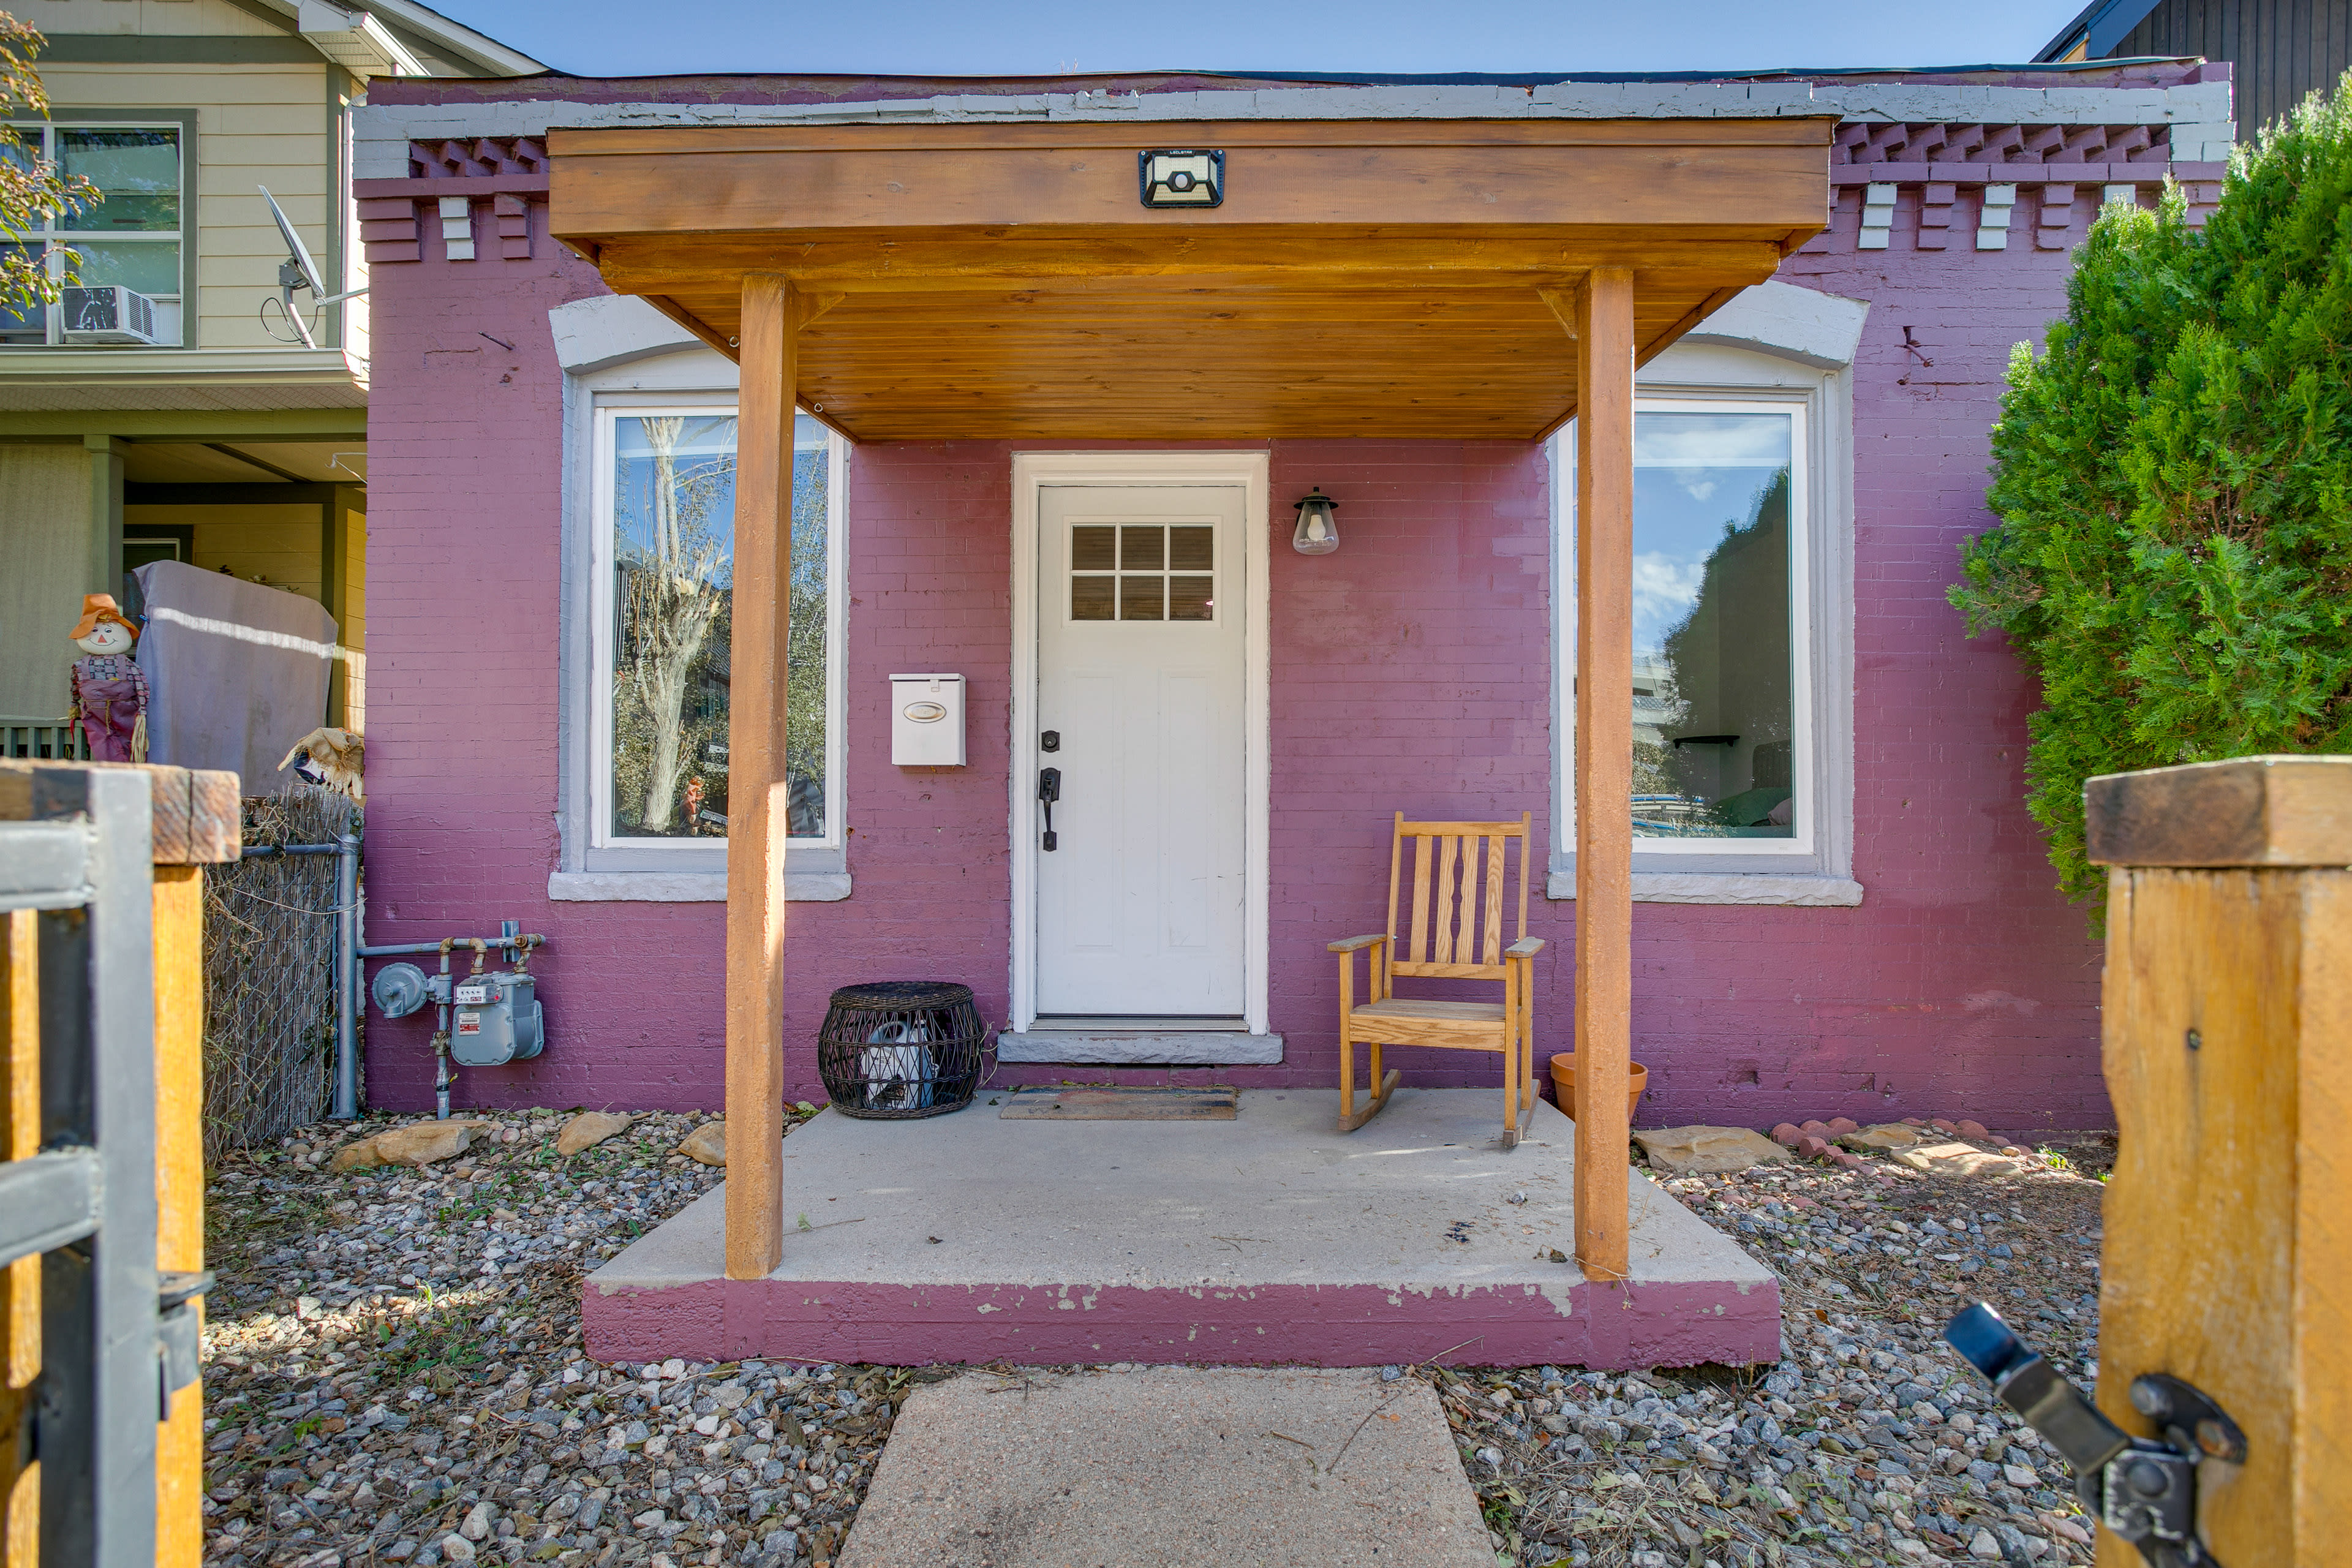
1050,741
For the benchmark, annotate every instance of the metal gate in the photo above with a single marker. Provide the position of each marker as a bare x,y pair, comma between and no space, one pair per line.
116,1338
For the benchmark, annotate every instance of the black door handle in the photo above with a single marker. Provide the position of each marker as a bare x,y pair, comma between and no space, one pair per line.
1049,790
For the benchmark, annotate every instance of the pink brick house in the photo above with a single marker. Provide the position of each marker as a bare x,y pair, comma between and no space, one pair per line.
1839,906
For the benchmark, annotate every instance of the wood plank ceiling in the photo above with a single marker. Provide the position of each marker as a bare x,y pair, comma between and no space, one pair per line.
1390,278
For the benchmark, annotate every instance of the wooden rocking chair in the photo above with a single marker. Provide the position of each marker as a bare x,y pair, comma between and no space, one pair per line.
1457,934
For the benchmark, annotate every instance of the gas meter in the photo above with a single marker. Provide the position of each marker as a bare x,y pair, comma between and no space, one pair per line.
494,1019
494,1016
487,1019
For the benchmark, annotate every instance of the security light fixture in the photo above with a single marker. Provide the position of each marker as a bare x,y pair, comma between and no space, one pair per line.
1174,177
297,271
1317,532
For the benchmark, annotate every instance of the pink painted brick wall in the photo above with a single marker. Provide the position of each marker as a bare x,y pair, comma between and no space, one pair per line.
1411,670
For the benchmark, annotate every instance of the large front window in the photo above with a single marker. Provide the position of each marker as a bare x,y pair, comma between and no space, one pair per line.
1713,699
665,515
1721,691
131,240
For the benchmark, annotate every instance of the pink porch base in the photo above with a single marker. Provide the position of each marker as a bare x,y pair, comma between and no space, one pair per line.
1328,1325
1268,1239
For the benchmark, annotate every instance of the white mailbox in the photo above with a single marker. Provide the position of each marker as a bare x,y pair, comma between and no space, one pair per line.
927,721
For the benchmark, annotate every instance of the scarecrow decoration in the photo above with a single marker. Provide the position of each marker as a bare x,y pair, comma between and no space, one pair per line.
109,690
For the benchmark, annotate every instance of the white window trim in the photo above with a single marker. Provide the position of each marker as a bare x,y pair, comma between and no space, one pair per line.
1816,867
635,377
58,241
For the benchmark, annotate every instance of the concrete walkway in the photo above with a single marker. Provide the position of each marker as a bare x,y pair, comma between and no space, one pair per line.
1170,1467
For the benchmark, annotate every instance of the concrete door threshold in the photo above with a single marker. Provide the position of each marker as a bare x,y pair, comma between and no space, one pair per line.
1141,1047
1171,1467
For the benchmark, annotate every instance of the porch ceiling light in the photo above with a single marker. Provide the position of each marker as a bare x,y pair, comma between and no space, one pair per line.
1319,524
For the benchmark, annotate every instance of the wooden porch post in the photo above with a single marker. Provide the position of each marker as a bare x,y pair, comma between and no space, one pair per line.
756,821
1604,763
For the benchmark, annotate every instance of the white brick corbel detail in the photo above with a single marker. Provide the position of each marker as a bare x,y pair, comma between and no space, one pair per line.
1993,228
457,227
1877,217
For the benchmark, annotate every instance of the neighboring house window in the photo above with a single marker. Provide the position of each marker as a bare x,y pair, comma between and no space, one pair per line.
132,239
664,544
1742,757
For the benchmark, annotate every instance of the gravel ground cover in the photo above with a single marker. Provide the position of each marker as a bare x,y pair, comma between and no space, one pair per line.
394,1376
1870,1441
394,1373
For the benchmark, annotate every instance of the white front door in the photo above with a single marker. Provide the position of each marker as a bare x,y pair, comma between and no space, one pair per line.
1140,695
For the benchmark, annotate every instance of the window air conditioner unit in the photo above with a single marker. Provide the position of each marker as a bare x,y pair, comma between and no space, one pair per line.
109,315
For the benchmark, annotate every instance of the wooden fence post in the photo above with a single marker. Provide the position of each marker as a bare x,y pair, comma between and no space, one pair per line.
2227,1054
197,822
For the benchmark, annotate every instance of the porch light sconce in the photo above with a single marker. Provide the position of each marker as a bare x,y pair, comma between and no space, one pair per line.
1317,532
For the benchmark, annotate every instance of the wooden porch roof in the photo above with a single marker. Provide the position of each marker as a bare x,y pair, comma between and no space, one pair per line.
1402,278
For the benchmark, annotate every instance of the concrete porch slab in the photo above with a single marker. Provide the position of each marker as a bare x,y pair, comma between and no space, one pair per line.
1171,1468
1268,1239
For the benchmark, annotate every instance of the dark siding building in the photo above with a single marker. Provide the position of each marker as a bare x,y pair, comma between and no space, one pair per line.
2278,49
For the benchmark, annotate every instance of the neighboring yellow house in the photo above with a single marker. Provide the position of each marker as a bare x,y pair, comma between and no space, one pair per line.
188,431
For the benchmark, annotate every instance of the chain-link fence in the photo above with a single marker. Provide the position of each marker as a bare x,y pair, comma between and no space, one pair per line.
269,968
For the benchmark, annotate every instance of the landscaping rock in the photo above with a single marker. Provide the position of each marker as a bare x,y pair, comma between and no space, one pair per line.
1787,1134
707,1143
1884,1136
589,1129
1956,1160
1841,1125
361,1155
1687,1150
422,1144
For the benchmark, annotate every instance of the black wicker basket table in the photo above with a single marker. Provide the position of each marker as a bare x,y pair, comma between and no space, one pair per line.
900,1049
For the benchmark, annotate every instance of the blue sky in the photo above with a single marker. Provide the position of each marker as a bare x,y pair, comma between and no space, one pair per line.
622,38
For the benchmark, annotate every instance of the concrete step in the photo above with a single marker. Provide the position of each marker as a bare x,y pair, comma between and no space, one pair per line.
1170,1467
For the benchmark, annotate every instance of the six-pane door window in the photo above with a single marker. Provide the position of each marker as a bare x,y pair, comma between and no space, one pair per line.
132,238
1142,572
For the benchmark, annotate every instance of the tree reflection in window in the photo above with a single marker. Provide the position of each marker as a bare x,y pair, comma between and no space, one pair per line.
673,543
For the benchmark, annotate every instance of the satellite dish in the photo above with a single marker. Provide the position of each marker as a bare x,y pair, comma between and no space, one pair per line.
297,271
300,256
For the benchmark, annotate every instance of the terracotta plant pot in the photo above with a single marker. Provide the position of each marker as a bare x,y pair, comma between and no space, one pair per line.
1563,1078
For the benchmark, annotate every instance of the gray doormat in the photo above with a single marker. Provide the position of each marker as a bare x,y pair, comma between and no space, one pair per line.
1121,1105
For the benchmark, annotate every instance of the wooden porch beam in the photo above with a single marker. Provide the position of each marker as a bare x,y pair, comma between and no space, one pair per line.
1604,765
756,824
1334,257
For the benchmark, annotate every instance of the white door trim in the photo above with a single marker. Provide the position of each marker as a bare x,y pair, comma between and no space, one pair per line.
1031,472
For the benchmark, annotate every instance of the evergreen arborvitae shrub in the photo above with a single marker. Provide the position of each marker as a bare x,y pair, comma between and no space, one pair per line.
2174,483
